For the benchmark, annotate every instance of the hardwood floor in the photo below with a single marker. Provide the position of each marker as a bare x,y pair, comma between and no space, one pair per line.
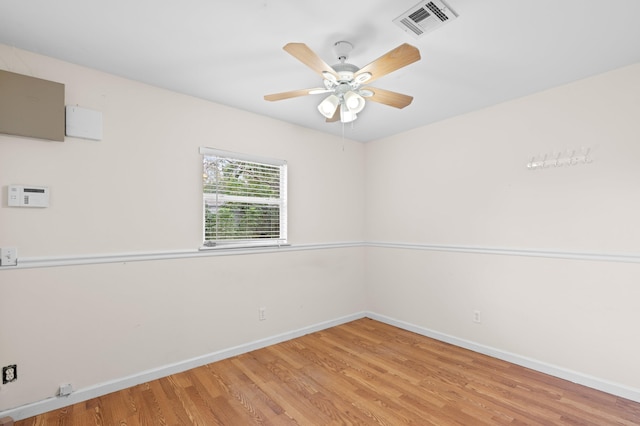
364,372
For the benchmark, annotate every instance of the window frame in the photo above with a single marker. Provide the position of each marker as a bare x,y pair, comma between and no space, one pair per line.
281,201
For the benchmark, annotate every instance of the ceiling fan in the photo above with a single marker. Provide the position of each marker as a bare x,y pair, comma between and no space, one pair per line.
345,82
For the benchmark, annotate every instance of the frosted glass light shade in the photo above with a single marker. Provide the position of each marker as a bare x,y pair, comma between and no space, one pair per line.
329,105
354,102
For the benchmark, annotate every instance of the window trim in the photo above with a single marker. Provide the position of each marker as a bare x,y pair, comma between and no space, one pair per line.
257,243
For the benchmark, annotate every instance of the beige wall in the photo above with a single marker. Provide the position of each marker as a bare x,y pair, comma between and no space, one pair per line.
461,186
92,324
533,244
139,191
135,189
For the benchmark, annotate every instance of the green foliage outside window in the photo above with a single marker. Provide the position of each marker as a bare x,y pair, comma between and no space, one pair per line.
242,200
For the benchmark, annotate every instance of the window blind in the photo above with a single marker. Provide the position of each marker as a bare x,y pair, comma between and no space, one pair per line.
244,199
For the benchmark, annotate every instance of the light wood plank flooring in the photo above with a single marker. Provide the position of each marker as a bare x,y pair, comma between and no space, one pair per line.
362,373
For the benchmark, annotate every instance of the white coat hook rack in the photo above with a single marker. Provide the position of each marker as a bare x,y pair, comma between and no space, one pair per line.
562,158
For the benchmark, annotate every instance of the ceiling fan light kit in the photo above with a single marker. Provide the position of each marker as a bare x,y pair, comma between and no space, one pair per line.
347,115
354,101
328,106
343,81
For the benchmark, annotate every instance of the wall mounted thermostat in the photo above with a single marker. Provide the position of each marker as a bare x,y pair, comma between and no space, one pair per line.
28,196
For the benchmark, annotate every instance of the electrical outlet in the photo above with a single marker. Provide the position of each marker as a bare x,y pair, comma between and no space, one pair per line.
262,313
8,256
65,390
476,317
9,374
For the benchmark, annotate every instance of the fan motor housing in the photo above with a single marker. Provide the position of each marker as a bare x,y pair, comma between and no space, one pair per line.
345,71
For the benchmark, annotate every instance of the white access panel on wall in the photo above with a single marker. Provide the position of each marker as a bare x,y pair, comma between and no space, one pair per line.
83,123
28,196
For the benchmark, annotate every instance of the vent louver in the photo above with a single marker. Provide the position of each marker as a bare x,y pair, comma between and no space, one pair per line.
425,17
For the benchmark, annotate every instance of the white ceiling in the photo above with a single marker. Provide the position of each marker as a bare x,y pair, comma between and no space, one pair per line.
230,52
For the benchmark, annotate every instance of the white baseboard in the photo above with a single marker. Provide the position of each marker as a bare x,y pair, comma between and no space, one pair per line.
80,395
552,370
85,394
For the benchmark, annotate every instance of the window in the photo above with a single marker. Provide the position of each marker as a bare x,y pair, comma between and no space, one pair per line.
244,199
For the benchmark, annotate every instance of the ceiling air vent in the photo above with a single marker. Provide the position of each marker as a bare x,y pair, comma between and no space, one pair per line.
425,17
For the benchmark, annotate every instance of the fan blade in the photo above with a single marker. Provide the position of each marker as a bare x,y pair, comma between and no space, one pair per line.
387,97
294,94
393,60
304,54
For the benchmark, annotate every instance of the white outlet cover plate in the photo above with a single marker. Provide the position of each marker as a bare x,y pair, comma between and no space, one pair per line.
8,256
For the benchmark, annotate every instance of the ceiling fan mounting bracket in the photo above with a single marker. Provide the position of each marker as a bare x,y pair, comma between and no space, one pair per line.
342,49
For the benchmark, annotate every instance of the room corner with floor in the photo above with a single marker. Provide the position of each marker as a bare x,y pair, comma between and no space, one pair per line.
504,237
